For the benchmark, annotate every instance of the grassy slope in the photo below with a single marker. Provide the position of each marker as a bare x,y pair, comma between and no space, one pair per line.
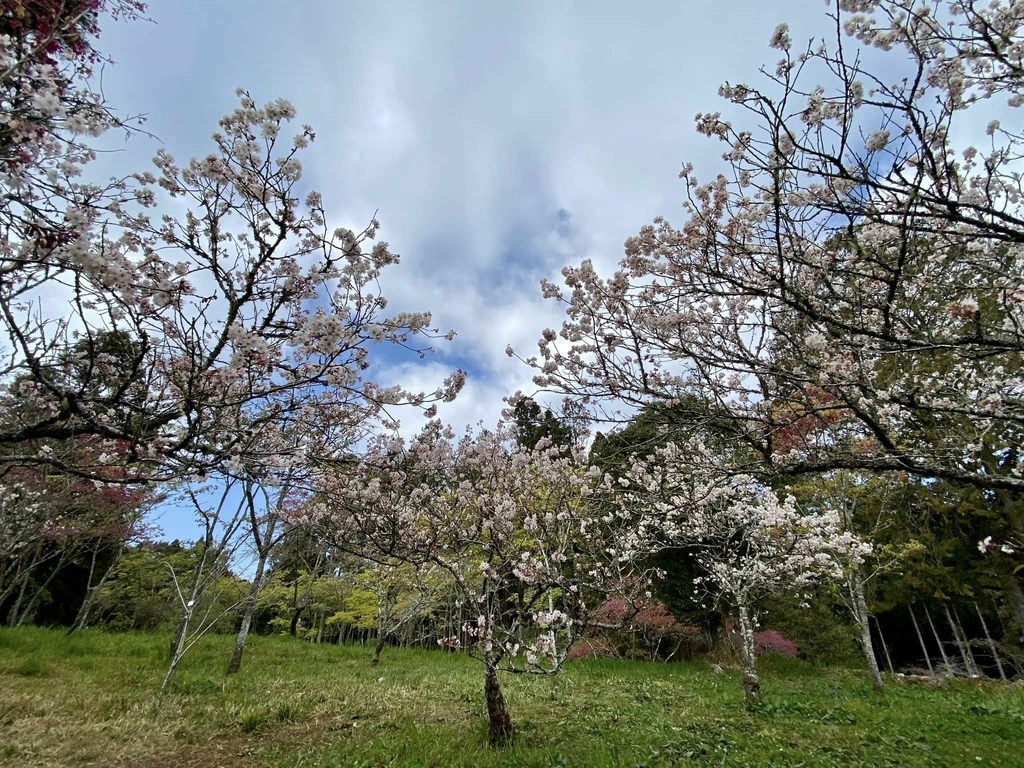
89,700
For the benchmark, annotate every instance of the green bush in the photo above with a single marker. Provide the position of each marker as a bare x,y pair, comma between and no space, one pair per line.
822,627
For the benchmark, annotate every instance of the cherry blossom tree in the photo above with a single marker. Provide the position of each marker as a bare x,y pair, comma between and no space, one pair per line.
527,547
221,508
240,311
748,542
861,256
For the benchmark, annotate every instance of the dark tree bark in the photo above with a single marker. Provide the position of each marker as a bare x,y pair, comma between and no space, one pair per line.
1016,598
499,730
293,628
381,639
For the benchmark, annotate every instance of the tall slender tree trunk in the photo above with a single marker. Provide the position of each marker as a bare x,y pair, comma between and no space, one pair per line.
83,608
961,643
751,684
991,643
181,628
249,610
976,670
885,647
19,584
15,611
93,592
499,722
942,648
301,606
920,639
863,618
293,627
179,649
39,591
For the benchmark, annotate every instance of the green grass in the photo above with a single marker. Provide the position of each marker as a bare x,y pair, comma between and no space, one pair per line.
90,699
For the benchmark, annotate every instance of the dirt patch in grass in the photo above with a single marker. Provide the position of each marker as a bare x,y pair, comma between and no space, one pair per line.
217,752
240,750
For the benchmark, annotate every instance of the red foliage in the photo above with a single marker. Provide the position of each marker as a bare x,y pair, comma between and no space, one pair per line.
650,632
655,617
591,648
774,642
63,26
800,423
612,611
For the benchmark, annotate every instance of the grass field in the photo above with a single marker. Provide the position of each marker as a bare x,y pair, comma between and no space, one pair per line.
90,700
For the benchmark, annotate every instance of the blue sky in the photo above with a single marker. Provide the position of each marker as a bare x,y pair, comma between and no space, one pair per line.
497,141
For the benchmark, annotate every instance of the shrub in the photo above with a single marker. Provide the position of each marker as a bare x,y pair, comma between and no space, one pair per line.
774,642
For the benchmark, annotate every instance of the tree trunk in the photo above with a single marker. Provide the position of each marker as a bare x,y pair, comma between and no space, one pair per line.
961,644
499,729
920,639
975,669
942,648
40,590
381,637
885,647
83,609
991,644
179,649
294,626
19,583
863,621
751,685
248,612
181,628
301,605
12,616
92,593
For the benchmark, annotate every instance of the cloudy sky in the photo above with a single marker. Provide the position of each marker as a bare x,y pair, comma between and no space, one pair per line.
497,141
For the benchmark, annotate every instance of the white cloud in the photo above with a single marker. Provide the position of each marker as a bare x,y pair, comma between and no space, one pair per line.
469,127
